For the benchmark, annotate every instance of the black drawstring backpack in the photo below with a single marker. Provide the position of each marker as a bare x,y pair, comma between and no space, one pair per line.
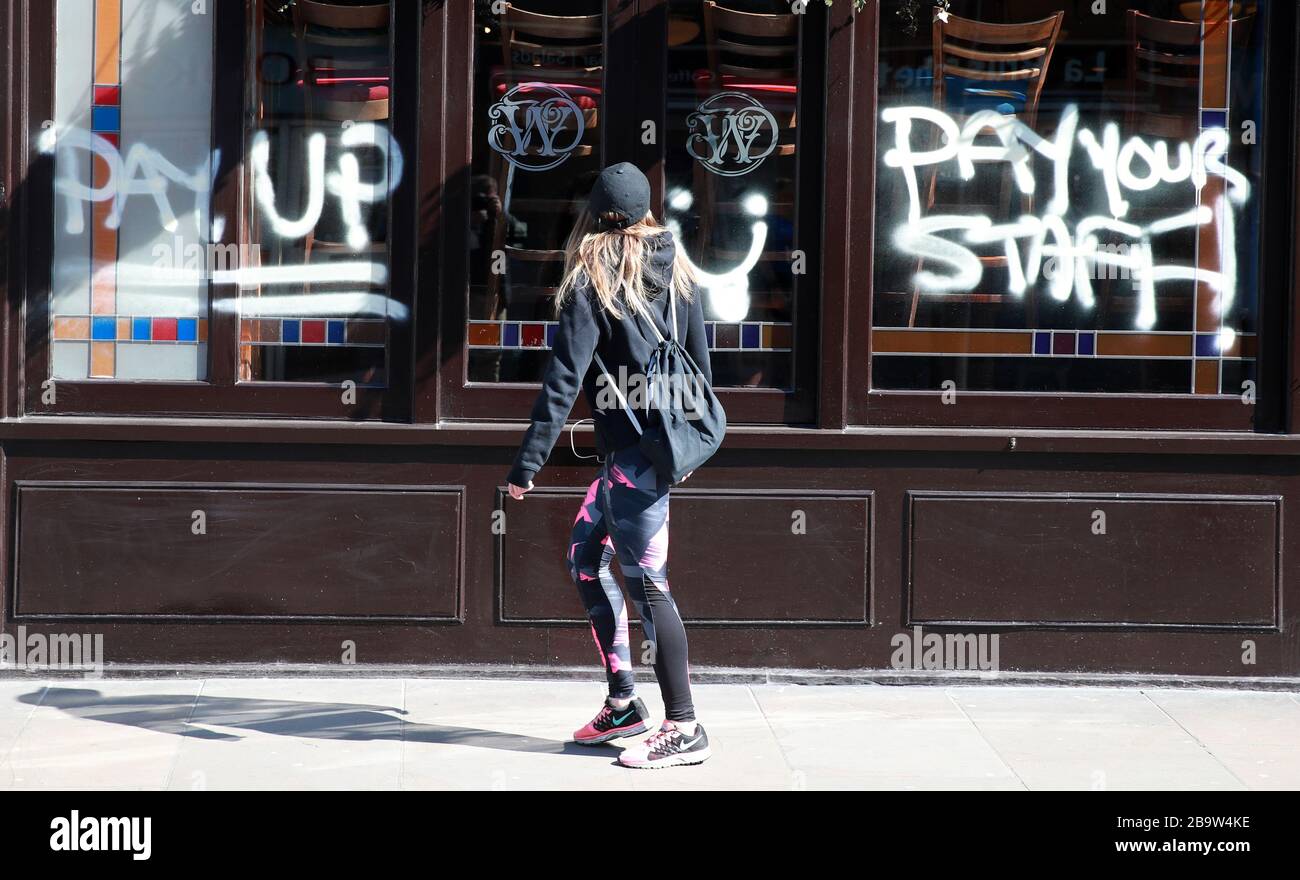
685,422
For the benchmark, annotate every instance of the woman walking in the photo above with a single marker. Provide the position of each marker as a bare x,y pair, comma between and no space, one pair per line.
622,276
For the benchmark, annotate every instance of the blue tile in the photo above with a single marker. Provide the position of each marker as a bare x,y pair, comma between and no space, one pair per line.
708,334
187,330
1214,119
1087,344
289,331
103,328
334,332
1207,345
751,336
105,119
1042,343
141,329
551,330
510,336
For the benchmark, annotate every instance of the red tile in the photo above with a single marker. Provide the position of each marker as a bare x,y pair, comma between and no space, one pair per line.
534,335
108,96
164,329
313,331
112,137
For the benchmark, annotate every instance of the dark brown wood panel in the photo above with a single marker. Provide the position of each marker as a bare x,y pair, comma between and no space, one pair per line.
144,552
805,558
1094,560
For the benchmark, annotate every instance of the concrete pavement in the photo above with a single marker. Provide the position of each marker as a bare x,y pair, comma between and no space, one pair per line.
392,733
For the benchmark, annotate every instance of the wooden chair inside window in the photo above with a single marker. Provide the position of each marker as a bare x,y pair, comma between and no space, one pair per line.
564,53
981,65
343,52
1164,74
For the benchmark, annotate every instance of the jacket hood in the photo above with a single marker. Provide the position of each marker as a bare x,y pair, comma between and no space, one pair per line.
659,262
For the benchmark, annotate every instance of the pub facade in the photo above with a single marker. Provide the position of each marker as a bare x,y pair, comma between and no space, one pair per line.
1001,297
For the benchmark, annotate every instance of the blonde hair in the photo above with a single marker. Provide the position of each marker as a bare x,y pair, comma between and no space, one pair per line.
613,261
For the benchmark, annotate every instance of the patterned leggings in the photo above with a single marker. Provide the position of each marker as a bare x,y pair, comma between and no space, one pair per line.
626,513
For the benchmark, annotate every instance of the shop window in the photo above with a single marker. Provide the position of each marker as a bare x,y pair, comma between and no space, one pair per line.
1070,202
323,162
539,90
719,123
224,177
730,167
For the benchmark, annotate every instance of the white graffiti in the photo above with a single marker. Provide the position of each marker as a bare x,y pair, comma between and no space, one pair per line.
728,291
1067,258
345,184
142,172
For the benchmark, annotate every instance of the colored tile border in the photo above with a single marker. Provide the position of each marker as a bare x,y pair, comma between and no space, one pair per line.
758,336
329,332
129,328
1128,344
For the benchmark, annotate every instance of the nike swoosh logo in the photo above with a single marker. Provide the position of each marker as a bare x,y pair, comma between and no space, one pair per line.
687,745
625,717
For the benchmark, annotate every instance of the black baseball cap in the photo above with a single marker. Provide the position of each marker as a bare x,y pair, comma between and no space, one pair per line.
620,189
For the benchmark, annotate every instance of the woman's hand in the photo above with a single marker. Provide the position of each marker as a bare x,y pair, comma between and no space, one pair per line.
518,492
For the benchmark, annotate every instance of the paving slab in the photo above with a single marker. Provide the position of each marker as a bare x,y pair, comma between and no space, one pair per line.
1091,739
874,737
1255,735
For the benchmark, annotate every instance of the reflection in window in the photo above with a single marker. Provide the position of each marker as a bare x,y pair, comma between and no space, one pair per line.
1069,202
314,303
537,117
732,90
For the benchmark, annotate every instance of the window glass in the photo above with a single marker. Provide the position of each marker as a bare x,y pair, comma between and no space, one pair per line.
538,102
730,195
314,303
1068,200
131,137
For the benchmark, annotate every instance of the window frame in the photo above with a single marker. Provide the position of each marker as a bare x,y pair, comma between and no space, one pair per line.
220,394
870,407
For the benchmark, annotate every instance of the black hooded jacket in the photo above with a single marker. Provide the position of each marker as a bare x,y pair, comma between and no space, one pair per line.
585,330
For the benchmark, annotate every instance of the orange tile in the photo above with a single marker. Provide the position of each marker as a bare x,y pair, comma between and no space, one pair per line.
1144,345
108,40
1214,53
102,360
1207,377
123,328
942,342
203,329
71,328
1209,256
100,174
484,334
103,297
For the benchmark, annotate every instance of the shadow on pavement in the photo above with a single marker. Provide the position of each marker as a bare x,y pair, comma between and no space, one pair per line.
181,715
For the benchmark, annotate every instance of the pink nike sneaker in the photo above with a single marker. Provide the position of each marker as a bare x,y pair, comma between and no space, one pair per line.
611,723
